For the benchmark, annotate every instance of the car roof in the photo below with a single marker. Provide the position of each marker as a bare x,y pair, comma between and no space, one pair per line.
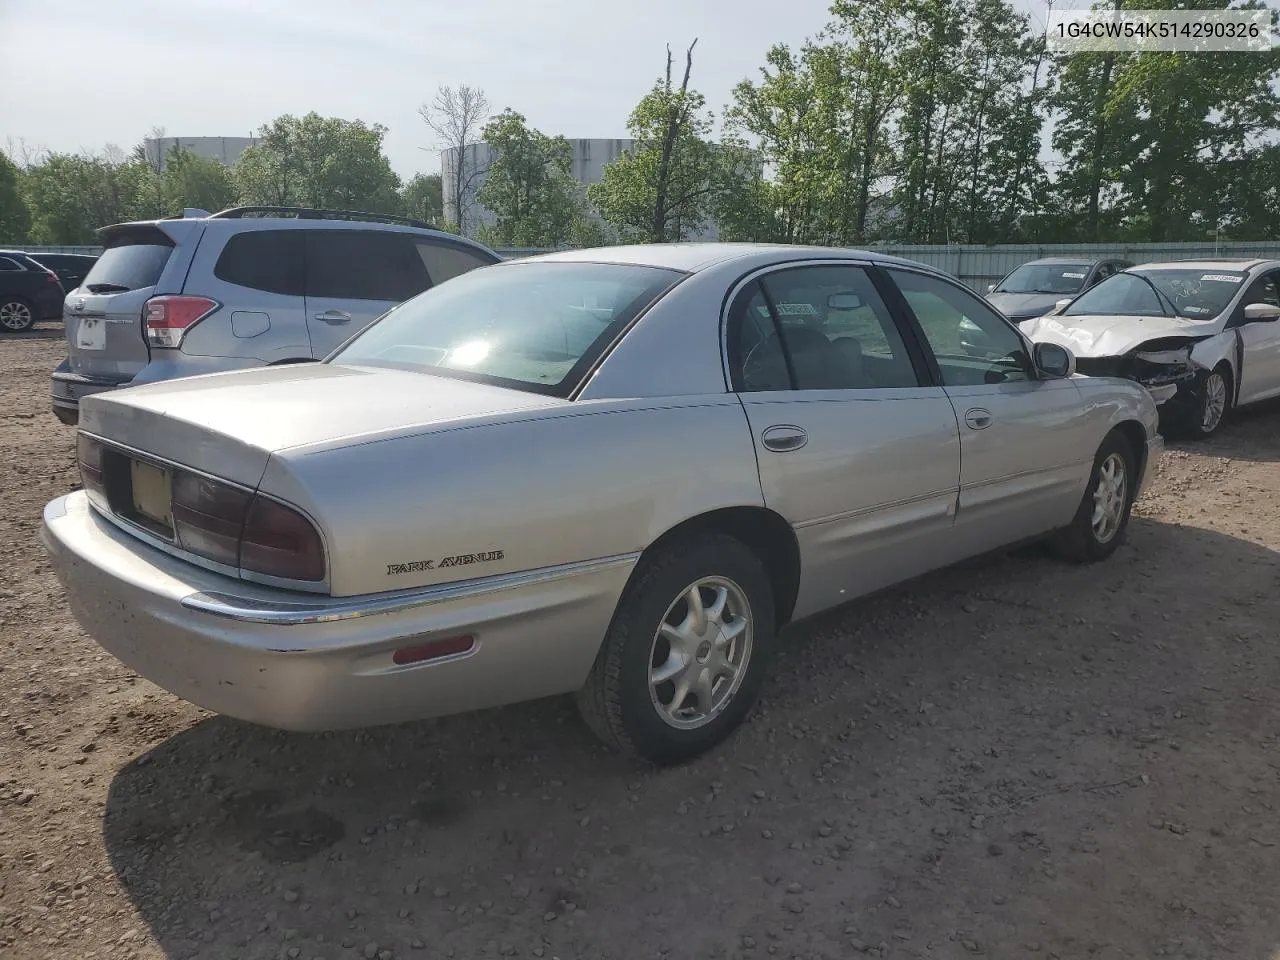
694,257
1081,259
1216,263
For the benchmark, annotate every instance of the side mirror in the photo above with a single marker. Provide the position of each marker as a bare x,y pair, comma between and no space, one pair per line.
844,301
1052,361
991,288
1261,313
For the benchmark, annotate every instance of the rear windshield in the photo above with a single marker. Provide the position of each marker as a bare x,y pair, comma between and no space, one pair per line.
130,261
532,326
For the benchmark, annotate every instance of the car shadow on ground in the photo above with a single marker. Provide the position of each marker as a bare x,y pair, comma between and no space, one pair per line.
997,750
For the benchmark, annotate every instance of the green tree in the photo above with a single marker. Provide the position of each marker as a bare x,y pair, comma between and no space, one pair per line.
663,189
1162,146
530,188
15,219
189,180
316,161
69,196
423,198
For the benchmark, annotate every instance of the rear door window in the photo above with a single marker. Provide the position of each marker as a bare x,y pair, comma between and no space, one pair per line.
445,260
131,260
268,260
363,265
9,266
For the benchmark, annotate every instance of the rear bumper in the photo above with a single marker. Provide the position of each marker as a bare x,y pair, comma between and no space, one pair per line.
300,662
67,389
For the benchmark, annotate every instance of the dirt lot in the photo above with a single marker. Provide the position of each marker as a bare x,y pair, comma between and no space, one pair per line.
1014,759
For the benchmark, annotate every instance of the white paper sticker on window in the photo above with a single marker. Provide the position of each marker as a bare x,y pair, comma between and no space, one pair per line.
1074,276
797,310
1196,310
1221,278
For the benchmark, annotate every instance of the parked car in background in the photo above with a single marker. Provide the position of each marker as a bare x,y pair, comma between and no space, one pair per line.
1200,334
1033,289
29,292
614,471
71,268
247,287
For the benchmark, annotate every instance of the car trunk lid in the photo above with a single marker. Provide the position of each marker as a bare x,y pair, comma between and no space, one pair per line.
104,317
229,424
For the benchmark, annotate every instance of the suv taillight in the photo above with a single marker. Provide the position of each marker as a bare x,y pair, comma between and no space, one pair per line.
167,319
229,525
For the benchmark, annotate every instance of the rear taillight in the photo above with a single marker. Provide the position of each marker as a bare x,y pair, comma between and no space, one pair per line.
51,278
280,542
167,319
229,525
208,517
89,458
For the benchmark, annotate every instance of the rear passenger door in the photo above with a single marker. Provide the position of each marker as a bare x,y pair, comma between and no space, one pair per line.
355,276
257,279
855,449
1025,449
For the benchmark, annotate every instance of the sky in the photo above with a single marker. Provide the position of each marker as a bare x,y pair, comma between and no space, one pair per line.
108,71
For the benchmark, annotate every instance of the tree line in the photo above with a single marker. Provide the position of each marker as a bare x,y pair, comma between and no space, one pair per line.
909,121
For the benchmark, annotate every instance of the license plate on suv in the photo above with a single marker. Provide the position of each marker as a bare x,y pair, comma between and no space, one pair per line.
152,493
91,334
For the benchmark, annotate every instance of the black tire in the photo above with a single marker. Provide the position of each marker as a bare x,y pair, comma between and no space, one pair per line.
17,315
1083,541
1202,417
616,701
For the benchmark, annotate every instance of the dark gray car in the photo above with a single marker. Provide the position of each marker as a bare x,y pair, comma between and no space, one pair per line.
1033,289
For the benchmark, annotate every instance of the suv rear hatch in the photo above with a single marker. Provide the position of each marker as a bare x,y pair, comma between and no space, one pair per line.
104,318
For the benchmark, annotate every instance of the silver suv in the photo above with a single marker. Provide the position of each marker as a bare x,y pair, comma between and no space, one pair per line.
246,287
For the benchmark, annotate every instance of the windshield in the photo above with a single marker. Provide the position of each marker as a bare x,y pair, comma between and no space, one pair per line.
535,326
1196,294
1045,278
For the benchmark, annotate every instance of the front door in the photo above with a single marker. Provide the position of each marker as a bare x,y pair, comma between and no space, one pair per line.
353,277
854,450
1024,458
1260,340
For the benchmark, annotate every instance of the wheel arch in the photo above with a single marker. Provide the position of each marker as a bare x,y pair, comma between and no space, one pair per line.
1136,436
763,531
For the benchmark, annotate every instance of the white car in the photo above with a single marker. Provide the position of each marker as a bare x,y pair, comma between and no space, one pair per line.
1199,334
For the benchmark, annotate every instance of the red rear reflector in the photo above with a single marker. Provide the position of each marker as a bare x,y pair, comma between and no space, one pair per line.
167,319
434,650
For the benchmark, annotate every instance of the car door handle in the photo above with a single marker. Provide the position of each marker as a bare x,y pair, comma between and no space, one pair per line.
978,419
334,316
784,438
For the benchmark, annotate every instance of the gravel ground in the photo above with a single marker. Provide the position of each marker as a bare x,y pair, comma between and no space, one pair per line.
1016,758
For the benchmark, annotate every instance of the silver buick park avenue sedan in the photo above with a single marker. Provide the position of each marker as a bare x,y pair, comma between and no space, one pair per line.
616,472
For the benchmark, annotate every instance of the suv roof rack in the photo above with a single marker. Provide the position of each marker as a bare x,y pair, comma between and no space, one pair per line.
312,213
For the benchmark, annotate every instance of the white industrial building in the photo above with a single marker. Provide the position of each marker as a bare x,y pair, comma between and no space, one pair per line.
588,158
226,150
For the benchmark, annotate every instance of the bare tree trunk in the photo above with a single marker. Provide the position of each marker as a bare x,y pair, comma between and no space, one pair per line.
676,115
456,117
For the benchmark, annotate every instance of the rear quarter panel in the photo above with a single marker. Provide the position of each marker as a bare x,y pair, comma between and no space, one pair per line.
602,479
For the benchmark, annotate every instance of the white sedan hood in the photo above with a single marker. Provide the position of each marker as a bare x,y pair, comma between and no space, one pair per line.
1110,336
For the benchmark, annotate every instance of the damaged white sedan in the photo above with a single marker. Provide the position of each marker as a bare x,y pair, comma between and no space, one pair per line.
1199,334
